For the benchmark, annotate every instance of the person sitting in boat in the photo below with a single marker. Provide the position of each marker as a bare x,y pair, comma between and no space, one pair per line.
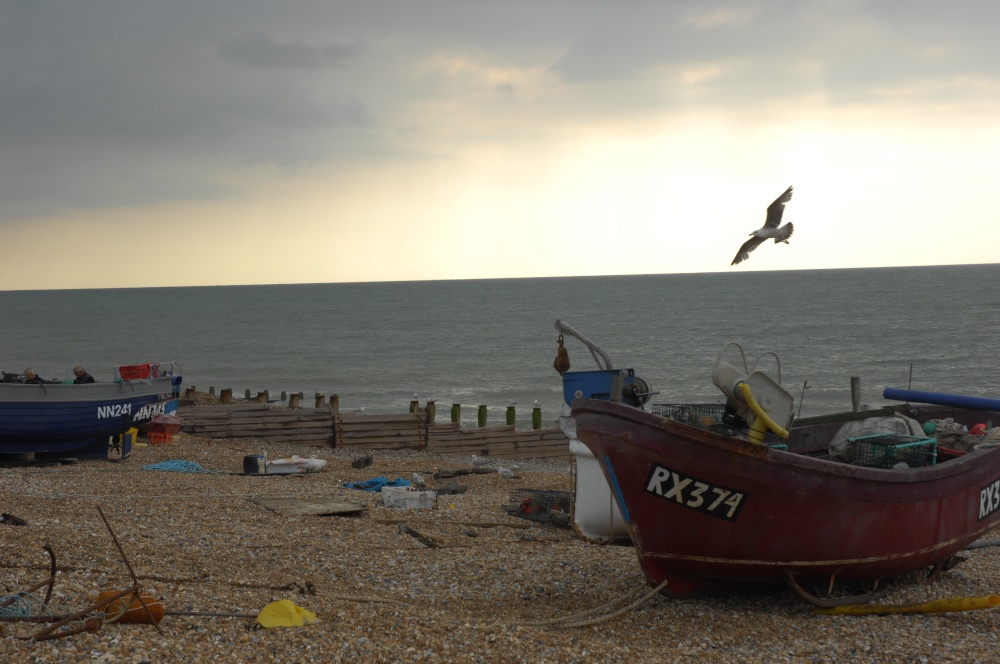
82,376
31,377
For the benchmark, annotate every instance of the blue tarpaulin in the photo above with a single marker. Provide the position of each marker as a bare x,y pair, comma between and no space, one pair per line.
376,483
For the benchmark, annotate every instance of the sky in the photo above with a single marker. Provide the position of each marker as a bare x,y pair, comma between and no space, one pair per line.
213,142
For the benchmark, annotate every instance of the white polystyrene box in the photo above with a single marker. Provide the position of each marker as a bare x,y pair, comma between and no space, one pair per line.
408,498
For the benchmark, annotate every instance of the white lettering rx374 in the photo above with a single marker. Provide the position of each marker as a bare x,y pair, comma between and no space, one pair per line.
989,499
705,497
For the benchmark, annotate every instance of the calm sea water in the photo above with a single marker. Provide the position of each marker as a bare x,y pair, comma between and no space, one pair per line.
493,341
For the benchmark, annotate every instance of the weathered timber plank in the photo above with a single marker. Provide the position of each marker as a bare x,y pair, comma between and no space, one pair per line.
315,442
401,445
475,434
413,431
263,424
276,416
299,426
533,455
374,435
232,412
262,433
222,408
446,427
440,441
542,441
378,417
381,426
376,439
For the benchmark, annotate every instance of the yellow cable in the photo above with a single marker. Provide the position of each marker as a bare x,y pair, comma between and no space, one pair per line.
936,606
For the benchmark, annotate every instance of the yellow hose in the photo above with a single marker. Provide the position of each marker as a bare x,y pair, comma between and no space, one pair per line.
757,429
762,417
936,606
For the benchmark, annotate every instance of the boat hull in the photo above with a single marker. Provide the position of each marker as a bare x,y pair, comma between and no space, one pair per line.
59,418
708,511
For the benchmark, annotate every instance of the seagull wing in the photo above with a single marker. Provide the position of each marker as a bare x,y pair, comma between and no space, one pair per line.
776,209
748,246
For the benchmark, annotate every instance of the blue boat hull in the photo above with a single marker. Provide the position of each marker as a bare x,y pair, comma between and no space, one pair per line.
79,419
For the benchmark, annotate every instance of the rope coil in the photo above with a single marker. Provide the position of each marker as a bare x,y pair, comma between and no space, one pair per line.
22,605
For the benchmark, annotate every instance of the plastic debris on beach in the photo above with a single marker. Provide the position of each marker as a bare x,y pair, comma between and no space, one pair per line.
284,613
293,464
376,483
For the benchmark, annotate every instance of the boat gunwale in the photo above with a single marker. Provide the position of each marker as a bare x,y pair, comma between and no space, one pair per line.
776,457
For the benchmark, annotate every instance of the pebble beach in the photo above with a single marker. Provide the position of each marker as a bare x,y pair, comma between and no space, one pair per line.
490,587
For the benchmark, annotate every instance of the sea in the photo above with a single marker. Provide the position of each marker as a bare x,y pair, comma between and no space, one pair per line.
378,346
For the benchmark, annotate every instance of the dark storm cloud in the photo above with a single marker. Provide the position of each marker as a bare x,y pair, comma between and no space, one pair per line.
850,52
109,103
258,50
106,102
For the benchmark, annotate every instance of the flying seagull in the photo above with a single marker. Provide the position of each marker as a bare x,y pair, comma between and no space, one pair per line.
770,229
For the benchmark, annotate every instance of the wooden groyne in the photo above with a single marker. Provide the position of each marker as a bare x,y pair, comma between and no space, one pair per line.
328,427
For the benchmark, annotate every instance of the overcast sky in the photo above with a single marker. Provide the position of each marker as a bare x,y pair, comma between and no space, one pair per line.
190,142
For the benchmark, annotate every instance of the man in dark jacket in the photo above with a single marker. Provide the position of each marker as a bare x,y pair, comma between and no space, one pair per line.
31,377
82,376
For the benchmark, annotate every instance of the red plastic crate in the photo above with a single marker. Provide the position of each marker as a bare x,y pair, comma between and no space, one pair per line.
166,424
157,438
134,371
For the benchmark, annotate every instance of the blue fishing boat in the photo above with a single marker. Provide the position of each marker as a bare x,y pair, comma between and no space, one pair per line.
63,419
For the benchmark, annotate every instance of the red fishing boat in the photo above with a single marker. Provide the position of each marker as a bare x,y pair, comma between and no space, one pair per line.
721,495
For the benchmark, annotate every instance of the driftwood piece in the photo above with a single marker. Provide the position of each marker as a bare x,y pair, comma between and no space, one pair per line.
424,539
454,472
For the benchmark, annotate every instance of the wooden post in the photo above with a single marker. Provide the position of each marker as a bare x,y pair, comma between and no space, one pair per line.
482,416
226,395
319,400
293,401
456,412
413,405
262,397
536,417
247,395
211,390
284,396
510,415
335,404
189,393
431,410
855,392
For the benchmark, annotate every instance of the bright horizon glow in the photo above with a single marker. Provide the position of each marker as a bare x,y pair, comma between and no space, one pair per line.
329,145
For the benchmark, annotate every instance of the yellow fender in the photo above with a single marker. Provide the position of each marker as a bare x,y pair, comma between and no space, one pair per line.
936,606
